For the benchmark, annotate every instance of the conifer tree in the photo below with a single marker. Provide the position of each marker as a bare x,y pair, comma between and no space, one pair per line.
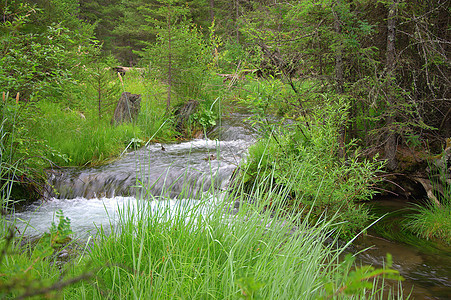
180,54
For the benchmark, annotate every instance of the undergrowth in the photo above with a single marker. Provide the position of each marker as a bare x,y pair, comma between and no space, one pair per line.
302,159
201,252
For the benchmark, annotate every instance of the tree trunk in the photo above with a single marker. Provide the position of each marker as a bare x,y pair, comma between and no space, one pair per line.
212,11
168,101
339,52
99,93
390,145
339,77
236,22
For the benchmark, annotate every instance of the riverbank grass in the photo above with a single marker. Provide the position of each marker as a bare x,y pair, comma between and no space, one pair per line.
79,136
159,248
432,222
201,252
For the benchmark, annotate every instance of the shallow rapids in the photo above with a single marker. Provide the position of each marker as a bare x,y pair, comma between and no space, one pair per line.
176,176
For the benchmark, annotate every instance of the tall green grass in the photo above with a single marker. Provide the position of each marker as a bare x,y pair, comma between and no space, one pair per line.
194,251
432,221
202,252
79,137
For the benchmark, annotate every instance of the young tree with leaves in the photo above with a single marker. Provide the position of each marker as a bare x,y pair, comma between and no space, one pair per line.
39,57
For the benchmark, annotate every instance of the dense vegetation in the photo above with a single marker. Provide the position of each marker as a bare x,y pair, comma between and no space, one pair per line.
341,91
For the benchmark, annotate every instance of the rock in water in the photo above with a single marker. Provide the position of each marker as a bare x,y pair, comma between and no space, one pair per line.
127,108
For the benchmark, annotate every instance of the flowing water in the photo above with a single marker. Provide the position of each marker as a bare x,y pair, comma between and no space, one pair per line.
426,266
185,172
181,173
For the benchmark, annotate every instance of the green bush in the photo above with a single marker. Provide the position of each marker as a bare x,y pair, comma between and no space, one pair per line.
302,160
40,61
35,268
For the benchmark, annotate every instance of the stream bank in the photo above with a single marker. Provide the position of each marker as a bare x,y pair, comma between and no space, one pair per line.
182,173
425,265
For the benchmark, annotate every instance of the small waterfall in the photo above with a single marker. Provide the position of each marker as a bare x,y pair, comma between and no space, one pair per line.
184,170
177,174
94,197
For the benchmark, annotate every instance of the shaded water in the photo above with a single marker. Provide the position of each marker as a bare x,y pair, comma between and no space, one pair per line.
427,274
182,173
426,266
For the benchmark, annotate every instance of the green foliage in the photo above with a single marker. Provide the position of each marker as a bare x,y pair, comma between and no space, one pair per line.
23,154
92,140
189,58
264,98
39,64
53,241
432,221
21,274
58,235
206,118
164,254
107,89
303,162
361,279
249,288
181,55
232,56
31,269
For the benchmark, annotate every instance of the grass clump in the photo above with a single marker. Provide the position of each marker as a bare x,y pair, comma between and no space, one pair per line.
166,250
432,221
198,252
80,139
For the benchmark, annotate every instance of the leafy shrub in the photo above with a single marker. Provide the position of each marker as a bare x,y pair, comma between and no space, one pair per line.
39,61
302,160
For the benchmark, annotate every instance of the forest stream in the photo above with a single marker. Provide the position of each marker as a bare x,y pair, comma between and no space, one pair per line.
183,173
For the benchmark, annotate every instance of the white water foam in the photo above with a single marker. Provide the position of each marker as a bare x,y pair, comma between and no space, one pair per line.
89,215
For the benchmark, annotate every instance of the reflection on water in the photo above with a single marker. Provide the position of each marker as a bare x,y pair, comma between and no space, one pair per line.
426,269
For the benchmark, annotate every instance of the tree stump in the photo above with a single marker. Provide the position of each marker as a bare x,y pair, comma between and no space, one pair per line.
183,113
127,109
